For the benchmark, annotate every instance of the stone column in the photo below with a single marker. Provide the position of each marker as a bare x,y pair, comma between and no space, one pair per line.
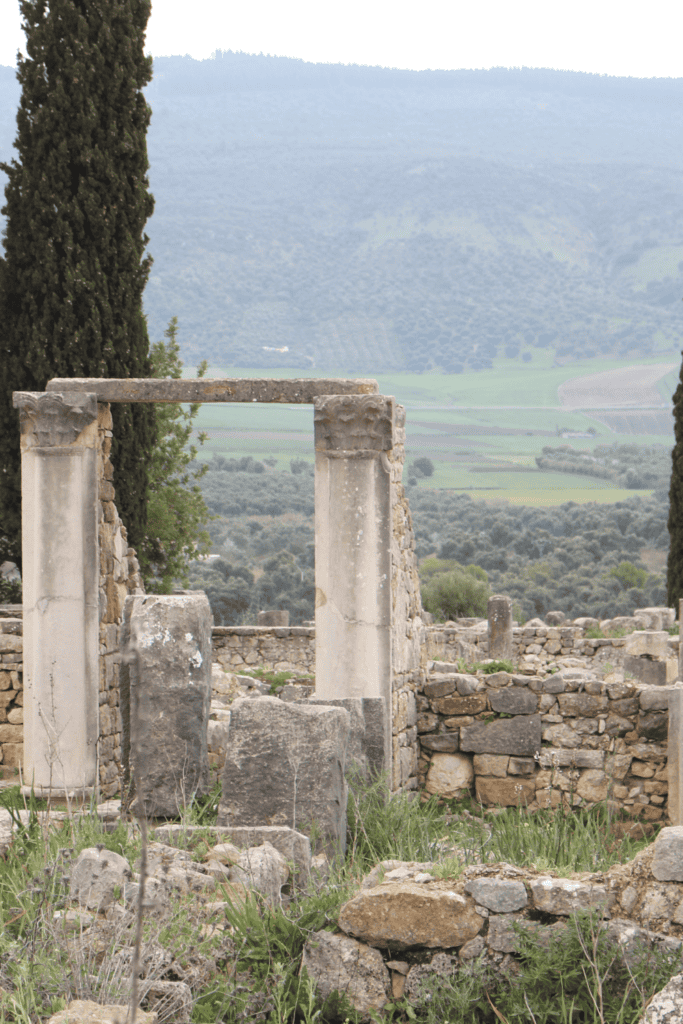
500,627
60,577
353,539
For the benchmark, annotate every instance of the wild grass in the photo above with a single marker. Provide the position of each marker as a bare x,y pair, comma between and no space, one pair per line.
251,970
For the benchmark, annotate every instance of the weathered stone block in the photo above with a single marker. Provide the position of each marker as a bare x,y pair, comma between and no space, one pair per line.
441,687
491,764
653,644
443,742
501,895
652,673
285,766
500,627
521,766
449,774
655,698
667,862
405,914
369,737
337,963
565,896
514,700
166,697
653,725
504,792
582,705
518,735
472,705
593,785
556,757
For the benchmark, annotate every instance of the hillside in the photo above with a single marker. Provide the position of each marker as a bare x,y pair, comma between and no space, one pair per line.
370,220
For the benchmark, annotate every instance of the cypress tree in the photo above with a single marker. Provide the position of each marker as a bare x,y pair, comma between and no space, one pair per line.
674,569
77,202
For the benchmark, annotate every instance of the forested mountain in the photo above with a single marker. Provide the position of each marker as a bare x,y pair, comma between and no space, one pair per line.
369,219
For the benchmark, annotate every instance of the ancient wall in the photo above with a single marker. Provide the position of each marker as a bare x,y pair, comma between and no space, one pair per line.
11,693
119,577
275,648
537,739
407,626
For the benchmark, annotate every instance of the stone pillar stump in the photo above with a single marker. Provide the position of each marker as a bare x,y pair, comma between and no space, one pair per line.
60,578
500,627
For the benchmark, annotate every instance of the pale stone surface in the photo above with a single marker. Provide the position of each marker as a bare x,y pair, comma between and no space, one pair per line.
84,1011
273,618
212,389
406,914
666,1007
166,692
353,540
449,774
593,785
444,742
262,868
500,627
667,863
285,766
651,643
504,792
655,698
518,735
564,896
337,963
294,846
95,875
495,765
395,871
502,895
60,590
369,729
441,965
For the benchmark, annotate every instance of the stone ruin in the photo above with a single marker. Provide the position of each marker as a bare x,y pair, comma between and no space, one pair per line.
84,604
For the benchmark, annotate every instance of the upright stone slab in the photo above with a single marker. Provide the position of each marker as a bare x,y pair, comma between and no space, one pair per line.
353,538
500,627
367,746
166,698
60,576
284,765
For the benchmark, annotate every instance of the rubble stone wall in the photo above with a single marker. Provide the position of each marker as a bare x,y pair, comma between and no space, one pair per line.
538,740
275,648
11,693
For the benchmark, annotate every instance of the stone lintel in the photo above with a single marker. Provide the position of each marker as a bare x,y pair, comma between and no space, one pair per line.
350,423
301,391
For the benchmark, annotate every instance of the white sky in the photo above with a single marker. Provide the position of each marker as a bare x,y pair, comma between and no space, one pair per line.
613,37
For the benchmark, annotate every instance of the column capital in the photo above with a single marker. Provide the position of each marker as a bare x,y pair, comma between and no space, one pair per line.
354,423
54,419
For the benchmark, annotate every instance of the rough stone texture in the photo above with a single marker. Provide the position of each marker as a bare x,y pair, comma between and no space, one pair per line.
500,627
367,745
95,875
504,792
273,618
285,766
651,673
515,700
262,868
473,705
278,649
495,765
667,863
166,695
337,963
650,643
564,896
84,1011
449,775
405,914
666,1007
501,895
519,735
212,389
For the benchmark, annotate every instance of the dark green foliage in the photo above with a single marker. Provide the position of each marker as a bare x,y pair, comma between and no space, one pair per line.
450,591
176,511
633,466
423,467
674,570
77,201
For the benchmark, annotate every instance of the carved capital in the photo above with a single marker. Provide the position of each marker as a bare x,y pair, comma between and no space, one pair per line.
354,423
52,419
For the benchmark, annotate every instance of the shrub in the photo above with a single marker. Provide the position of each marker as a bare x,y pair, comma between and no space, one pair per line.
454,593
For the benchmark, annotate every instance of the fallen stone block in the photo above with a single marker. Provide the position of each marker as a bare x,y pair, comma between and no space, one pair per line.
667,862
649,643
337,963
666,1007
565,896
84,1011
95,876
405,914
284,765
502,895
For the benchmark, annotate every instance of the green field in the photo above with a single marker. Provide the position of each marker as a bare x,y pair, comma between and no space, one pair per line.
459,422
